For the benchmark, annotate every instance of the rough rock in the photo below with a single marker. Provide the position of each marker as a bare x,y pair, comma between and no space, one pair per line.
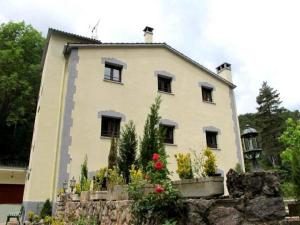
225,216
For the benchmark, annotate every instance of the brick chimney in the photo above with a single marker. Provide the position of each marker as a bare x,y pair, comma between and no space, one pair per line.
224,70
148,34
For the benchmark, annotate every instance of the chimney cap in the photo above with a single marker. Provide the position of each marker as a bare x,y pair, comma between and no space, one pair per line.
223,66
148,29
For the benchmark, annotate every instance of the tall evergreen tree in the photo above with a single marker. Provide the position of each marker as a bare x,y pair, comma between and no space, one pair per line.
271,123
113,153
127,149
84,172
152,141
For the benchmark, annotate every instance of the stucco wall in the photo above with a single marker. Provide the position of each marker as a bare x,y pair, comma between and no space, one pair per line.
73,93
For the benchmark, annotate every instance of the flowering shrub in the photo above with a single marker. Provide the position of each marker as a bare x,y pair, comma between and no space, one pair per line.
184,166
163,203
114,178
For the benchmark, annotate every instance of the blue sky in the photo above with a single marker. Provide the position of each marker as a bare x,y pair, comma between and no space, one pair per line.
261,39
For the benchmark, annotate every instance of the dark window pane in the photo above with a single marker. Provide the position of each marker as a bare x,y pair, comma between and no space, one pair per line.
110,126
168,132
164,84
207,94
211,139
112,72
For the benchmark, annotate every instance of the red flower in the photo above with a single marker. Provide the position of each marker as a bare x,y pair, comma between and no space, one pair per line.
158,165
155,156
159,189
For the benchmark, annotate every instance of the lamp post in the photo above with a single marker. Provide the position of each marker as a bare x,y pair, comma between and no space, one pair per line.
72,184
65,186
251,148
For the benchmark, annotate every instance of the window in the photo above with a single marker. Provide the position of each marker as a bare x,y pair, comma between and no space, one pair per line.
164,84
168,133
207,94
211,139
110,127
112,72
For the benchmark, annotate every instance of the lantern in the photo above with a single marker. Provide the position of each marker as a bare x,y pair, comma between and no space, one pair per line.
251,148
72,184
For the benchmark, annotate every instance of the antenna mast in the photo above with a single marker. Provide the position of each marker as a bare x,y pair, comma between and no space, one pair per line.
95,30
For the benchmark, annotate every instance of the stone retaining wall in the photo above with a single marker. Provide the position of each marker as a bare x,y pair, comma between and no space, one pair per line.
255,199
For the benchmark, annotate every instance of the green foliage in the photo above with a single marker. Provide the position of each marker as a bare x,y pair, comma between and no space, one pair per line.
184,166
152,141
77,189
36,218
127,149
163,203
113,153
197,164
30,216
100,179
85,183
210,162
288,189
291,140
48,220
114,178
46,210
238,168
21,48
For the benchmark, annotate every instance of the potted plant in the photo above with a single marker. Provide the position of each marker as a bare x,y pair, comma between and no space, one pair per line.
76,195
85,188
117,190
99,185
204,169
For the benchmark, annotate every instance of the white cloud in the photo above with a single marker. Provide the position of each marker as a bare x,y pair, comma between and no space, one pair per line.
259,38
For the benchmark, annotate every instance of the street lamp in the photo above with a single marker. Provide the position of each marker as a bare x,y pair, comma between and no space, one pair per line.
72,184
65,186
251,148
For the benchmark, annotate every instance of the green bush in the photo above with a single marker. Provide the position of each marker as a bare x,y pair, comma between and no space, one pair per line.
209,166
99,179
46,210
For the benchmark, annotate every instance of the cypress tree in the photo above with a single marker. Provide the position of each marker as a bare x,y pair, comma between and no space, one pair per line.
127,149
271,123
152,141
113,153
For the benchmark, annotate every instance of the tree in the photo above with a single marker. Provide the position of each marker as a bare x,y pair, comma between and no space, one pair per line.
113,154
291,156
46,210
152,141
84,172
21,48
271,123
127,149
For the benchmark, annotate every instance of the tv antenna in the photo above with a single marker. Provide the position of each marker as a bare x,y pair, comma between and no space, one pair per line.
94,30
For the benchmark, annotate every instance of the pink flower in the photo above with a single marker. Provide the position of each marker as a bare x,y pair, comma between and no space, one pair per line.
158,165
159,189
155,156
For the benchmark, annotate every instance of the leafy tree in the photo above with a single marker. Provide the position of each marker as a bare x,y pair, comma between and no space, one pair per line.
269,117
291,156
152,141
21,49
127,149
46,210
113,154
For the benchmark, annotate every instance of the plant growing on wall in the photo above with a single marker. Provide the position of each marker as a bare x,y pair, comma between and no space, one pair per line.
184,166
209,166
127,149
152,141
113,153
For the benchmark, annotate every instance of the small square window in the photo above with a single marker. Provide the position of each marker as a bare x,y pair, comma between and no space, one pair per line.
168,132
211,139
113,72
164,84
110,127
207,94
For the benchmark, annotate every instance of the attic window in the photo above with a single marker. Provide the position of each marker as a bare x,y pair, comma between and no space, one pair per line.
113,72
